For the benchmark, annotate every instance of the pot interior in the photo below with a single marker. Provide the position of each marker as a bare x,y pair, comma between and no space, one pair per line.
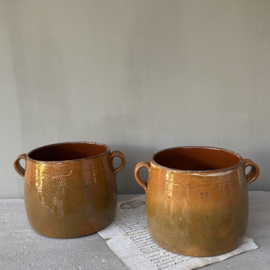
196,158
67,151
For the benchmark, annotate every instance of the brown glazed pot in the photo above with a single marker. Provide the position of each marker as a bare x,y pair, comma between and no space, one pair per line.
70,188
197,199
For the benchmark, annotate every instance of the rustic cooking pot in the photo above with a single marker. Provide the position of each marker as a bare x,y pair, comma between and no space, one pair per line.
70,188
197,199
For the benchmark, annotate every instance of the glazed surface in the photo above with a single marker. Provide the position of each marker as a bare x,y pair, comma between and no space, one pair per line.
204,215
71,198
196,205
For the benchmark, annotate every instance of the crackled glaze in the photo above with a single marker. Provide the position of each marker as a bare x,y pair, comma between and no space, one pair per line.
197,199
71,192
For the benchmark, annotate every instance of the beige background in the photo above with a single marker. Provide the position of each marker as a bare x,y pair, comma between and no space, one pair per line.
139,76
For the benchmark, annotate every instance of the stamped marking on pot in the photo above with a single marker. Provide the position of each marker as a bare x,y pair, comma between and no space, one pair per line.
132,204
62,182
204,195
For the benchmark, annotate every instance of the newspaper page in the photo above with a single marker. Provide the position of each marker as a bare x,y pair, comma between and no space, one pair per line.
129,238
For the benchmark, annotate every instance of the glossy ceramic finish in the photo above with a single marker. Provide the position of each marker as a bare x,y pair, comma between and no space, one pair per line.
70,188
197,199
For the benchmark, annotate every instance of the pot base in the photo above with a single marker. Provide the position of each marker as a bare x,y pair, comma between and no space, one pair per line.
196,251
84,231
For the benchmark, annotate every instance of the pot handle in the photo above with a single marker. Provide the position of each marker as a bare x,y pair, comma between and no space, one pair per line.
136,173
254,172
17,166
119,154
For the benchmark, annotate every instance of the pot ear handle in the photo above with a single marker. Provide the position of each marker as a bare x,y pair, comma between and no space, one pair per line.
136,173
17,166
119,154
254,172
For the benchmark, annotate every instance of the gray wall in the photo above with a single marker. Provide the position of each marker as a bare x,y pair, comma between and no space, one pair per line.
139,76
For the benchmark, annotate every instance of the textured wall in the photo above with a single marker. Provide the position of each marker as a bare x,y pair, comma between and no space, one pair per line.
139,76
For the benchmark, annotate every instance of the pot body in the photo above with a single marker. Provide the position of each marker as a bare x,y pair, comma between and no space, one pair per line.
202,213
66,199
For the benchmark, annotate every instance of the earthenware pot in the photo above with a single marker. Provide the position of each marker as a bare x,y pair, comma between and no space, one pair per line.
197,199
70,188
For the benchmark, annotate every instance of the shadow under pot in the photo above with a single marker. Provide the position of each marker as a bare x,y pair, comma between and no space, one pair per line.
70,188
197,199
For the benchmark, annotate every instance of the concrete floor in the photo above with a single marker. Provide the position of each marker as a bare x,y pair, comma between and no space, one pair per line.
22,248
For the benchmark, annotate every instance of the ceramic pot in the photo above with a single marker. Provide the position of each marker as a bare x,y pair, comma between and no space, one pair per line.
70,188
197,199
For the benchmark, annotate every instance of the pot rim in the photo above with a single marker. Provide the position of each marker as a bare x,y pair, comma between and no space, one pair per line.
68,160
199,171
